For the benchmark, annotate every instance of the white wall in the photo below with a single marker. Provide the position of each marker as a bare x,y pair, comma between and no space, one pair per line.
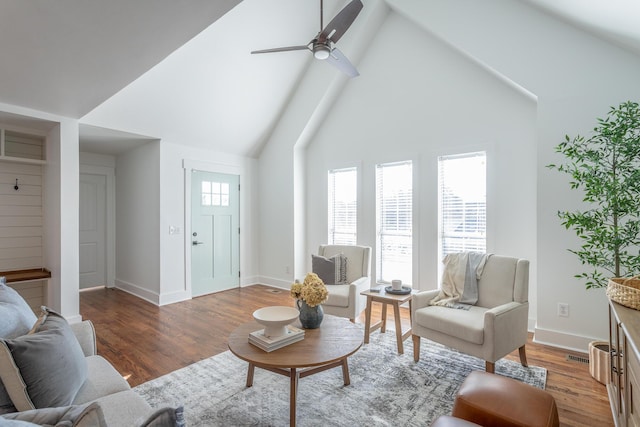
60,203
138,221
509,78
443,103
175,184
576,78
98,160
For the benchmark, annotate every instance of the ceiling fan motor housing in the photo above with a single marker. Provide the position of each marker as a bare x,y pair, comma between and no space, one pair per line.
321,50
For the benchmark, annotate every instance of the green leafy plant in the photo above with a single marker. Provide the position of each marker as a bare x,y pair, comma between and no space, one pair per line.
606,167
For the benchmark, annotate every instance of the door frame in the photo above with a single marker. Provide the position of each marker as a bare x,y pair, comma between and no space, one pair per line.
110,232
189,166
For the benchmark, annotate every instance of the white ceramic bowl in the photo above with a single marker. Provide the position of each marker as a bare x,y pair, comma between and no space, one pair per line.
275,319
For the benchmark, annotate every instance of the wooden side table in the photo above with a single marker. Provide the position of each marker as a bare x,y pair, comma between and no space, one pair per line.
386,298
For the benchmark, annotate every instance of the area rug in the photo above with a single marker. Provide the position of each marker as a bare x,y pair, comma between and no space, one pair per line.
387,389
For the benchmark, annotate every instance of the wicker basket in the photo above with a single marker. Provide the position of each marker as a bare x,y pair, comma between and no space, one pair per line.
625,291
599,366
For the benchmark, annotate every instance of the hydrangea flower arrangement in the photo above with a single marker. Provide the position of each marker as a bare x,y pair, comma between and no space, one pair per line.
312,291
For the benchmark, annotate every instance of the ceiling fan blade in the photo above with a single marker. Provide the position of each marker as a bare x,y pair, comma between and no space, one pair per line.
282,49
338,60
341,22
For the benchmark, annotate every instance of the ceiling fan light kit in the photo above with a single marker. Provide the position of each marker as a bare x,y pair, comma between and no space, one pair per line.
321,51
323,44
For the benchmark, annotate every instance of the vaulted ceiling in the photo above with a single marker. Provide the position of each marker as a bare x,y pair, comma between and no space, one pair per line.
181,70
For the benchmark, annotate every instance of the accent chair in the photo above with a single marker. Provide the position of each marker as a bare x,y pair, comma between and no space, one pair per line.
489,330
345,300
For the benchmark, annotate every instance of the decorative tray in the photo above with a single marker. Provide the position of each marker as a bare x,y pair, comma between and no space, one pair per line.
404,291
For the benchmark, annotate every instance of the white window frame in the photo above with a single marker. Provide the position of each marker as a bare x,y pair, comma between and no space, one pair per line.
403,234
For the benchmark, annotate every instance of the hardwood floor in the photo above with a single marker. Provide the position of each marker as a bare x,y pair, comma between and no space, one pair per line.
144,341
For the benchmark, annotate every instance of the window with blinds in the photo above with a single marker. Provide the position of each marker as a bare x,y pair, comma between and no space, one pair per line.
343,206
394,221
462,203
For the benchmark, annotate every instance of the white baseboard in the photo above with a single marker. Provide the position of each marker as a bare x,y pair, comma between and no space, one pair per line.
564,340
249,280
173,297
145,294
276,283
153,297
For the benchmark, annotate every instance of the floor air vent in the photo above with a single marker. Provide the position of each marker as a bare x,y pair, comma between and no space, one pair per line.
274,291
580,359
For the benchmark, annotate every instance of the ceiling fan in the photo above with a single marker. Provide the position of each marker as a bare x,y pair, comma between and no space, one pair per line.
323,44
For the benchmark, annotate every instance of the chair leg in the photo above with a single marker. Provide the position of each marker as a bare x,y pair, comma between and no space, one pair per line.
490,367
523,356
416,347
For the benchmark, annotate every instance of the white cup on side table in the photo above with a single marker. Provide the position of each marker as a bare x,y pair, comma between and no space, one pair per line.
396,285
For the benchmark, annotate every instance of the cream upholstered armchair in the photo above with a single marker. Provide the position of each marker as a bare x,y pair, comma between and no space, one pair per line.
345,300
493,327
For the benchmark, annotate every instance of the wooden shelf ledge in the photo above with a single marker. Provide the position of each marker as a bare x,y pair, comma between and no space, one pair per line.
26,275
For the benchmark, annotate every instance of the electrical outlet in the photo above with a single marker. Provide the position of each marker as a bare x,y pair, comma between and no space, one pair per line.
563,309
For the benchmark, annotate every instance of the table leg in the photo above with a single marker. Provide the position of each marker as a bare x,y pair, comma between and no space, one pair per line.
292,397
250,372
383,329
345,372
367,320
396,314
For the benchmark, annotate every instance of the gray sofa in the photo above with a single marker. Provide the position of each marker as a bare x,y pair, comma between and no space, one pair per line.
101,392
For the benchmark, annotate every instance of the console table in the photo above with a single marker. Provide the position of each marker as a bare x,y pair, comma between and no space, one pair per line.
624,387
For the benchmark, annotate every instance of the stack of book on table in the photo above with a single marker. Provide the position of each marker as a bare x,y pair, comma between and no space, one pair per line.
260,340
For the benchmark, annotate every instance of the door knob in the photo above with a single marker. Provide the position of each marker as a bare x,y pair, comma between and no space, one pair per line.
196,243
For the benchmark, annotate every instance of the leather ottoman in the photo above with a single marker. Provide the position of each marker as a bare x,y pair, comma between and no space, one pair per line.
447,421
493,400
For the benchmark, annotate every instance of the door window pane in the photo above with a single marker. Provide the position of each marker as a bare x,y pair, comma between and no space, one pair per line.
215,193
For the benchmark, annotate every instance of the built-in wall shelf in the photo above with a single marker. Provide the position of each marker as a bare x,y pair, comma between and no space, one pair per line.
22,146
31,284
26,275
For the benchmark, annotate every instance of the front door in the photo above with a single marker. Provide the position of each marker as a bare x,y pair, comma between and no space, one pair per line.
215,240
93,190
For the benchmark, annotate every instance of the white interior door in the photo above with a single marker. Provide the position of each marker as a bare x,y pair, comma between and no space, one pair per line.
93,193
215,241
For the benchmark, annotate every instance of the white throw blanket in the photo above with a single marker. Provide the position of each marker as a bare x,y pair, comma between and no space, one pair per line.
459,287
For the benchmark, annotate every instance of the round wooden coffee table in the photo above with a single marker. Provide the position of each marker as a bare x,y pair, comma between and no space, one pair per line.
321,349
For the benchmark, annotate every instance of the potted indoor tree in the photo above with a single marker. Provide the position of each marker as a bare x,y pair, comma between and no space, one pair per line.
606,168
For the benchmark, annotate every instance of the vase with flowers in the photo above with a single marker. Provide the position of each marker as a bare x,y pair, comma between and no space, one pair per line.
309,296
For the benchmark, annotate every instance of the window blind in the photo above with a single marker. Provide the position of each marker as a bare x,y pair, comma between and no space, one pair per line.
394,220
462,203
343,206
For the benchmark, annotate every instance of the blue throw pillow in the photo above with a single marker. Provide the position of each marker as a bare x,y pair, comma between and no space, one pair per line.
17,317
45,368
